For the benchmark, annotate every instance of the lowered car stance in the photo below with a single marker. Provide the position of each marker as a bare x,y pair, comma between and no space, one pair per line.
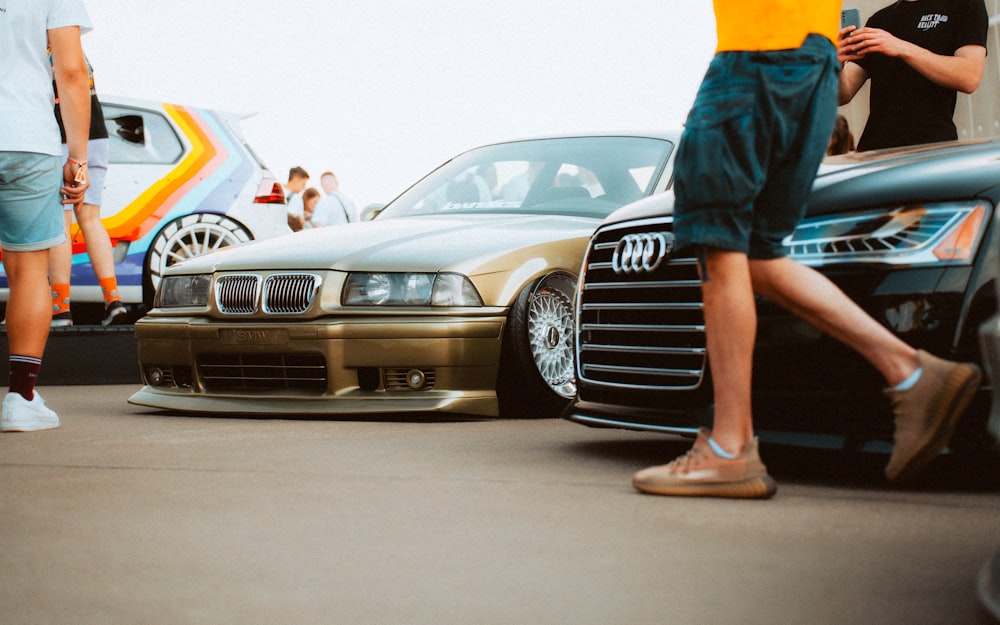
910,234
457,297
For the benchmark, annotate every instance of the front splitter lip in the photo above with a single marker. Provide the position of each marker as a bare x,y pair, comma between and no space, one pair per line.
584,414
482,404
602,422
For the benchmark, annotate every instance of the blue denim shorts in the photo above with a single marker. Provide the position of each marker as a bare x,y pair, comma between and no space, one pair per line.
31,211
759,128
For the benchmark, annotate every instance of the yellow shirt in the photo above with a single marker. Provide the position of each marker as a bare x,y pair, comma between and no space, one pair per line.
774,24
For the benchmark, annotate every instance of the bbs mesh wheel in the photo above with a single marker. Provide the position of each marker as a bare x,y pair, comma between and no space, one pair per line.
537,376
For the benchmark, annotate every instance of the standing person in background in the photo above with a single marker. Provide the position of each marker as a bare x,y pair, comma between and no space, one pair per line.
918,54
297,179
338,208
751,147
312,216
88,215
842,139
33,174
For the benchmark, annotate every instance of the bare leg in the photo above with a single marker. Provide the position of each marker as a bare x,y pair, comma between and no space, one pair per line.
813,297
98,242
730,327
61,256
29,307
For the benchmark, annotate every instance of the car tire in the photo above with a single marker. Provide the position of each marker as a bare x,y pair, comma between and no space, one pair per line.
537,372
187,237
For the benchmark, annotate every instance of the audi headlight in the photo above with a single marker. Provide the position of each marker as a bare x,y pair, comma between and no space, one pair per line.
183,291
911,235
410,289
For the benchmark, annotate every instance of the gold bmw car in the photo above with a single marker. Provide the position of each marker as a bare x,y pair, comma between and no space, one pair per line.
456,298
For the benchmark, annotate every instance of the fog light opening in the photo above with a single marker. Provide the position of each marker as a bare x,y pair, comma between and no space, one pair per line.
156,376
416,379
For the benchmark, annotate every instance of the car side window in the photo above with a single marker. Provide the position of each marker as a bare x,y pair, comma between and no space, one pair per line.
140,136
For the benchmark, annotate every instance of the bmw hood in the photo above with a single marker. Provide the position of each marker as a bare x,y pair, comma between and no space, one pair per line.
467,244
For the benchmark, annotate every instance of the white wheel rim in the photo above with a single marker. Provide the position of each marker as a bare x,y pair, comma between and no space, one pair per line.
550,337
196,235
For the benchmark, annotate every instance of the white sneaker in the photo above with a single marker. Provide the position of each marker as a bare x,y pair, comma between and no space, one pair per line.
21,415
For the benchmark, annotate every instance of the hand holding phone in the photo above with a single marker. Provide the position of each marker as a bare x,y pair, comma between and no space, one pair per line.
850,17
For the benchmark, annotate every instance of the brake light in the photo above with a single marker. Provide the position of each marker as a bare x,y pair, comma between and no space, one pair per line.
270,192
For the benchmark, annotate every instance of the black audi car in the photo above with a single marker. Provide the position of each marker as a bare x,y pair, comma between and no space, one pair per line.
911,234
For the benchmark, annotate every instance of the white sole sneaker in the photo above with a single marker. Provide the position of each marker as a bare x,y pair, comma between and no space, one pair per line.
115,314
21,415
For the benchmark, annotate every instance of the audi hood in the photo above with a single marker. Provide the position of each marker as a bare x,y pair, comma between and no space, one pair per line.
870,179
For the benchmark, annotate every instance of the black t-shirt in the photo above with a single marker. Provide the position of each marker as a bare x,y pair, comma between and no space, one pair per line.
907,108
98,129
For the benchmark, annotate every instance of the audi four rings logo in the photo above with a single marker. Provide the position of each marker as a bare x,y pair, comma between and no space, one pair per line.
641,252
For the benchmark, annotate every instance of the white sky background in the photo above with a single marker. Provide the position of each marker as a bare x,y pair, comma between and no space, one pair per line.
384,91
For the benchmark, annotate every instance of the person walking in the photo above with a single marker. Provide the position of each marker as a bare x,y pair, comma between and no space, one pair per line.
753,142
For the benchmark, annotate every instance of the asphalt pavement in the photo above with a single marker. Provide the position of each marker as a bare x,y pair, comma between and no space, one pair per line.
128,515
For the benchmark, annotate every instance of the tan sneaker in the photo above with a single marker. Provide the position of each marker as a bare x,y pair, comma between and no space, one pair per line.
702,473
927,413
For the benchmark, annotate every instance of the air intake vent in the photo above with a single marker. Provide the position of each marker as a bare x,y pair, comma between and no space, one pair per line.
409,379
304,373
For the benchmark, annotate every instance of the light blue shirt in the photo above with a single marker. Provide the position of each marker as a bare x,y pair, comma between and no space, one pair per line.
27,123
336,208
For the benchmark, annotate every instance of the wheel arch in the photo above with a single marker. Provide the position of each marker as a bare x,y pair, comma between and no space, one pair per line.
523,388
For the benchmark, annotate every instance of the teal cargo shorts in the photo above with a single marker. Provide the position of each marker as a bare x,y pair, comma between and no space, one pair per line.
752,144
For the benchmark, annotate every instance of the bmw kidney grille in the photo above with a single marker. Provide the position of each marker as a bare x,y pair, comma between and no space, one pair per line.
278,294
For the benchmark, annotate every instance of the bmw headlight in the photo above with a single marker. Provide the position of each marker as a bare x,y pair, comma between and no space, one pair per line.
183,291
410,289
909,235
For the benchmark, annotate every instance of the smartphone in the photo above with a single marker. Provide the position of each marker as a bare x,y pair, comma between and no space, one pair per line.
850,17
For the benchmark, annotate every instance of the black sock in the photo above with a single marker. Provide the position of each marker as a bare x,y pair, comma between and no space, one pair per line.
23,373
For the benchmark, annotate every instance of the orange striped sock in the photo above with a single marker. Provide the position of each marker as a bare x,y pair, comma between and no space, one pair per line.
109,288
60,298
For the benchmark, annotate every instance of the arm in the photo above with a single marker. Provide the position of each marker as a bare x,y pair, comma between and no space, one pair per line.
852,78
70,69
852,75
961,72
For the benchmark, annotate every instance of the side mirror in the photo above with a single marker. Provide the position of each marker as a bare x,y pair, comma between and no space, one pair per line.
371,211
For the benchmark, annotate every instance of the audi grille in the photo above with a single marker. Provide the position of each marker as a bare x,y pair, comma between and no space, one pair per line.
639,312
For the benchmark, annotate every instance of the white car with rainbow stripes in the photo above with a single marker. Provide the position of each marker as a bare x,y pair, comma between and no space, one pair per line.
181,182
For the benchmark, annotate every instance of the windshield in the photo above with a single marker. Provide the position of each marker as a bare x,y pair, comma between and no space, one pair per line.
583,176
